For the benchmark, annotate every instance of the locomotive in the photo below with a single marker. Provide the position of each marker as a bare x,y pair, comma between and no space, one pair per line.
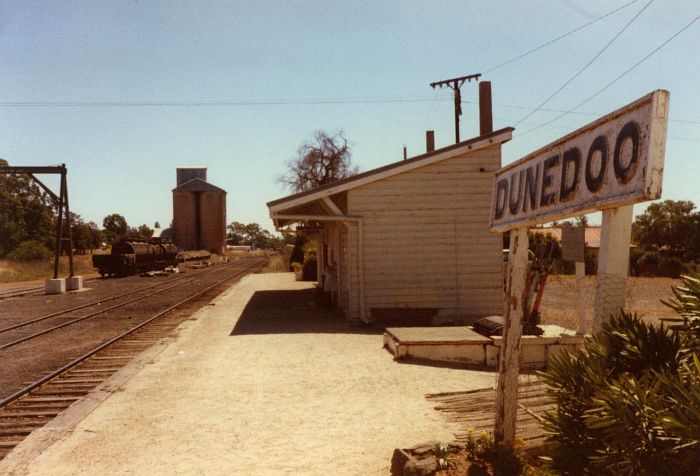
135,255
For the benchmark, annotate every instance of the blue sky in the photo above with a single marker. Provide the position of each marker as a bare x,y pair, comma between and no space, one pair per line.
123,92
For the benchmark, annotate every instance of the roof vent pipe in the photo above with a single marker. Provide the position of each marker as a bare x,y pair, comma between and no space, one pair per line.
485,115
429,141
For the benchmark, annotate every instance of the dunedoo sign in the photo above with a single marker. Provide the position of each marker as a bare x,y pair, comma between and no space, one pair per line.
614,161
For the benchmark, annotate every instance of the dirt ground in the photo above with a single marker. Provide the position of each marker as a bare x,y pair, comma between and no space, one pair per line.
560,299
265,381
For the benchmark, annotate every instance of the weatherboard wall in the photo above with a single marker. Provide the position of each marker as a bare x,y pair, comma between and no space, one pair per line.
426,240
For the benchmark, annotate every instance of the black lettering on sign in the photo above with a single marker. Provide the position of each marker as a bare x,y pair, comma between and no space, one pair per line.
530,190
595,182
571,158
501,197
513,205
631,132
548,198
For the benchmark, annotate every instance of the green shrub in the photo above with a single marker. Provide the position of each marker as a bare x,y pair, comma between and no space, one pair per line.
309,270
671,266
628,402
297,255
31,250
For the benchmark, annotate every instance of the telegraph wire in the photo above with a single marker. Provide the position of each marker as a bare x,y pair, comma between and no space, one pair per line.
619,77
435,100
299,102
560,37
590,62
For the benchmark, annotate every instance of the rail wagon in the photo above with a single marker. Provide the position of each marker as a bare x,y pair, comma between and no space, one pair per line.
135,255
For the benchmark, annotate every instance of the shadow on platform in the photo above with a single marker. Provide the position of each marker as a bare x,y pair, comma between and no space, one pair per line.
295,312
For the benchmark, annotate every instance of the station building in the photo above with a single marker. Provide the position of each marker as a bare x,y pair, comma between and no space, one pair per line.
199,212
409,240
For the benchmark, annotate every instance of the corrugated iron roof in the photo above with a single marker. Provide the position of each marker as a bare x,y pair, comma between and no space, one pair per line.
500,136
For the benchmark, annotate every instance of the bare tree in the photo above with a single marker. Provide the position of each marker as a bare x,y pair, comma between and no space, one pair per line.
321,161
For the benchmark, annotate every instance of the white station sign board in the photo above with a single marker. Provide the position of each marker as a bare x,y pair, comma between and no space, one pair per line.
614,161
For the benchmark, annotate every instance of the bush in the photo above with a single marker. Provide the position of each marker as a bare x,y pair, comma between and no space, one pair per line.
31,250
627,403
297,255
309,269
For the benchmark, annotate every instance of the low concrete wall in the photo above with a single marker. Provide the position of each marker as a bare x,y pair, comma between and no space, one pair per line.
535,351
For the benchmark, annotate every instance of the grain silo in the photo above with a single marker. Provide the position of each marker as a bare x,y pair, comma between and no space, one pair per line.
199,212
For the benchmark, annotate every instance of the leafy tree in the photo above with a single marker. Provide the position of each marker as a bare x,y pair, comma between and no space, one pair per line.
581,220
115,227
251,234
26,212
323,160
82,236
671,227
236,233
96,236
30,250
145,231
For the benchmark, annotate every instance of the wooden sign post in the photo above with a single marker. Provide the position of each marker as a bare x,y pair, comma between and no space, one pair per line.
606,165
509,362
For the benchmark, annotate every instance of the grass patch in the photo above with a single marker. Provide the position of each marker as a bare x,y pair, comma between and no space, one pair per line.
14,271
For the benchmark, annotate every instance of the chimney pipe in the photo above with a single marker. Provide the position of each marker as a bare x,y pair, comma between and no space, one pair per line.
485,115
405,153
430,141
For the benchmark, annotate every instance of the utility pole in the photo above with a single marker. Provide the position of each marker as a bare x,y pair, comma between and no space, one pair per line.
454,84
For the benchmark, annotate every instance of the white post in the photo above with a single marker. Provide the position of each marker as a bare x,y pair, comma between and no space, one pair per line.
613,263
509,361
580,276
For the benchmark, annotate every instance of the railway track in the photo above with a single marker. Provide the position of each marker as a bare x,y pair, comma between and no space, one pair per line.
29,291
64,318
40,401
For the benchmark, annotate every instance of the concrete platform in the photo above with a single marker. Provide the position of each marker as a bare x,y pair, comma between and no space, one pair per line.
462,344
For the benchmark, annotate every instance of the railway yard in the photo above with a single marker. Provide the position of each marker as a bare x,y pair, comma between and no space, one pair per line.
56,348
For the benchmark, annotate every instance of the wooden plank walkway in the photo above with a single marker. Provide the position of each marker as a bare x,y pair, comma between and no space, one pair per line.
475,409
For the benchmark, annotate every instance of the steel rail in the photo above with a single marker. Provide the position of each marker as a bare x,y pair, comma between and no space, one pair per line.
32,290
20,393
179,282
87,316
20,292
94,303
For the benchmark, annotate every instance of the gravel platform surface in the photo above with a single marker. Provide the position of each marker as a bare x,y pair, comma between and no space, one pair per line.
264,381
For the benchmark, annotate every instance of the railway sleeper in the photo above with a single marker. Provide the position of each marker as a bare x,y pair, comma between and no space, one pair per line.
47,399
9,444
87,371
57,392
21,423
12,412
77,381
83,387
18,432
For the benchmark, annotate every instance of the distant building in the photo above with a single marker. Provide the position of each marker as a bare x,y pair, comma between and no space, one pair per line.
592,234
199,212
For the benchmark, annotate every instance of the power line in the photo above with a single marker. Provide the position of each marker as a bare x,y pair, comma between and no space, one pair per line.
436,100
622,75
590,62
580,113
347,100
543,45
